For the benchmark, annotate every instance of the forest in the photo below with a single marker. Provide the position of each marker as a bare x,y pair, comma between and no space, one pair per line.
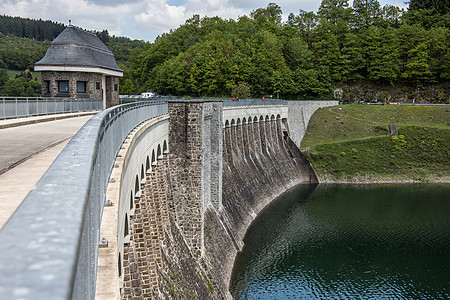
306,57
309,55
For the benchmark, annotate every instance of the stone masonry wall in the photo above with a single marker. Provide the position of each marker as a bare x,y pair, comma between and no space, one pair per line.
93,86
185,233
212,154
185,140
260,162
158,263
90,78
112,90
163,259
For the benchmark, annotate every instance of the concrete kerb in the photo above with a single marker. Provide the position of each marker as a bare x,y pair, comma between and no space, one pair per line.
8,123
108,281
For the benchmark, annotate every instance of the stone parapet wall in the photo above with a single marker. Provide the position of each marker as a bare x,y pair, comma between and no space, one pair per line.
247,113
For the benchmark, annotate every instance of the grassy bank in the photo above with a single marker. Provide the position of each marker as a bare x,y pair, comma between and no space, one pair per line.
13,73
353,143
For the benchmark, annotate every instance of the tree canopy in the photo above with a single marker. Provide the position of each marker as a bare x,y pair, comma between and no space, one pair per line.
32,29
309,55
306,56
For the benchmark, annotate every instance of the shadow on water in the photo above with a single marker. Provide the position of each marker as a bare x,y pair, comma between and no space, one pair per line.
349,241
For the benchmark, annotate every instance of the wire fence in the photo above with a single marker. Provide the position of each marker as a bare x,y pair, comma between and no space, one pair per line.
22,107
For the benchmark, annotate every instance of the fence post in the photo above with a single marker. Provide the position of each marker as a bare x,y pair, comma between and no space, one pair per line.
16,108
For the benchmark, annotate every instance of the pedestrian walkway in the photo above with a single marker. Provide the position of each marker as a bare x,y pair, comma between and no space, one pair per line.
27,152
17,182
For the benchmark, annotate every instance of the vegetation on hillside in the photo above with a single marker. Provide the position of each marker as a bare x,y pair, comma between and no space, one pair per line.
23,84
353,143
31,29
20,53
308,56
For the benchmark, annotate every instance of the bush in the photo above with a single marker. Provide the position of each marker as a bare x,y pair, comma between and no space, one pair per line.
19,87
3,78
383,96
441,97
242,91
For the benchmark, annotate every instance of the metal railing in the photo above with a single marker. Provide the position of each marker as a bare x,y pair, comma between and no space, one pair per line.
254,102
49,247
20,107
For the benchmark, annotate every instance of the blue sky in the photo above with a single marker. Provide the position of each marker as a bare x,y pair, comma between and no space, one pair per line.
145,19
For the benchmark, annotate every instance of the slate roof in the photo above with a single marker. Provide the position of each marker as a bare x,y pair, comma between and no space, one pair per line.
76,47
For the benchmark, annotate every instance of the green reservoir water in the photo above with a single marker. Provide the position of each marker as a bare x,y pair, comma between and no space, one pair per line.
349,242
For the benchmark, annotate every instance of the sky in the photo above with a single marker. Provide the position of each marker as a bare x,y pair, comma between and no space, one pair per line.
145,19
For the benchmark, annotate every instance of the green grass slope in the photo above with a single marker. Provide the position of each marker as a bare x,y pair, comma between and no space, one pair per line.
352,143
13,73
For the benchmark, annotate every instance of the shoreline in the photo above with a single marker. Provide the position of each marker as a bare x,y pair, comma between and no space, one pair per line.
365,180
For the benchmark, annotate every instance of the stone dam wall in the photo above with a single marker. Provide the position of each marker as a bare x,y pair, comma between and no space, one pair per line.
199,198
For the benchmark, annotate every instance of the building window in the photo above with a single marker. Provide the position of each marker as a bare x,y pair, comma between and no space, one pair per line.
116,87
97,85
81,87
63,86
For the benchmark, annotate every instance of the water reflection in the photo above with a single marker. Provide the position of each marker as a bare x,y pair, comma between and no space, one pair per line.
349,241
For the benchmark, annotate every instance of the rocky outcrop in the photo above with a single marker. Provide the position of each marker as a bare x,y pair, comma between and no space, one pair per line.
367,92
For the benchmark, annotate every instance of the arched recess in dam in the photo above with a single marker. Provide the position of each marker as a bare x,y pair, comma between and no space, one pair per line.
147,140
137,158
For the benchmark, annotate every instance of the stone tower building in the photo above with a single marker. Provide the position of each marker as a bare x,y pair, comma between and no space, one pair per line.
78,65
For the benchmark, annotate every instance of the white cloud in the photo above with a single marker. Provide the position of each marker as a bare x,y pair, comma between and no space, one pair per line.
399,3
160,16
287,6
82,13
144,19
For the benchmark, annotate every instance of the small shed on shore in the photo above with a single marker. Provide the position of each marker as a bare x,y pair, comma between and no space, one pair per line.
78,65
